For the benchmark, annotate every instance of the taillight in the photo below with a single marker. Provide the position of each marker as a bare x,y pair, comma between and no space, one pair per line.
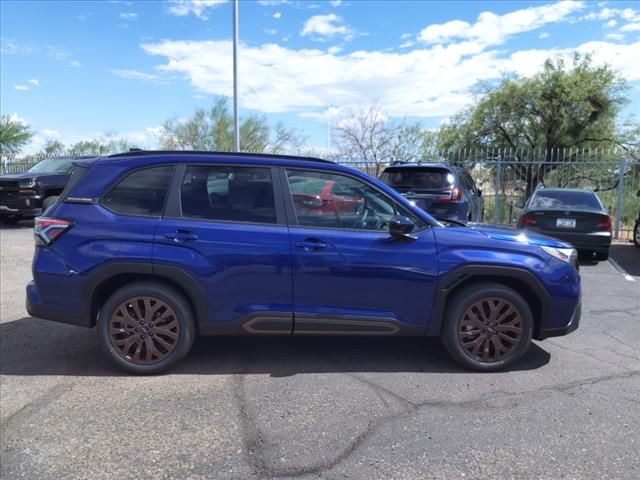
450,195
528,219
605,223
47,229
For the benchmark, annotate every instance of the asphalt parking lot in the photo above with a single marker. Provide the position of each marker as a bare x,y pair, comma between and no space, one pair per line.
329,408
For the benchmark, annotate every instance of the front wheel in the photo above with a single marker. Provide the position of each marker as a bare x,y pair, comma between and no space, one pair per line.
488,327
146,327
636,234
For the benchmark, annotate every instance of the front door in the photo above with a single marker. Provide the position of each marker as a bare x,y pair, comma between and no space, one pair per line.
349,275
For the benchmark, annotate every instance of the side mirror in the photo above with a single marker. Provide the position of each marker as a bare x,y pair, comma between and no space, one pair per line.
401,227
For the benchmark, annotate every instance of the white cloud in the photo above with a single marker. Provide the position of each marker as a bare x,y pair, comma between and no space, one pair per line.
333,50
270,31
34,82
74,63
14,117
277,15
424,82
335,3
544,35
616,37
50,133
404,36
128,16
611,23
324,26
631,27
22,88
182,8
408,44
134,75
84,16
492,29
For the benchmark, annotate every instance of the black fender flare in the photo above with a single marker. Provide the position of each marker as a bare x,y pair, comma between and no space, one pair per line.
457,276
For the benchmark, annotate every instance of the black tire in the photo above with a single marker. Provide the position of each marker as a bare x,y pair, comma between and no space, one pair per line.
602,256
181,312
455,314
636,234
10,220
48,202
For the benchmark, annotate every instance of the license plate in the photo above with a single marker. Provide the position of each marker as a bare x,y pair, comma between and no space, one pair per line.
566,223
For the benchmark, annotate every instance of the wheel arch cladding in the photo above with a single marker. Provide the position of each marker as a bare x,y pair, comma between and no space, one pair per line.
521,281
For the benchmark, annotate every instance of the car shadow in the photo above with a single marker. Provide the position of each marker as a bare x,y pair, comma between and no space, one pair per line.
32,346
22,224
628,257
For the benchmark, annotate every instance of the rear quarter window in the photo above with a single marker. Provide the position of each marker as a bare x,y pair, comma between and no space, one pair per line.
140,193
427,179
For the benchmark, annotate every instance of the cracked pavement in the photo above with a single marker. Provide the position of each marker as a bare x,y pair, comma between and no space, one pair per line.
320,408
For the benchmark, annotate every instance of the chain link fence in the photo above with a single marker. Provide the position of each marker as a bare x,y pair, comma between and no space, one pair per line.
507,177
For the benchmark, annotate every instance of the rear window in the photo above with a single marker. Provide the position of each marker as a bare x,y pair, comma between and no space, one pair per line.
569,200
428,178
140,193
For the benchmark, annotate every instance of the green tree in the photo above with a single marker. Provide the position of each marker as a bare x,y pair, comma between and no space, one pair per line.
562,108
13,135
107,144
53,148
212,130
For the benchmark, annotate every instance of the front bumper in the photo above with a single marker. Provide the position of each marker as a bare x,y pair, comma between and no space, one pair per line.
26,206
559,332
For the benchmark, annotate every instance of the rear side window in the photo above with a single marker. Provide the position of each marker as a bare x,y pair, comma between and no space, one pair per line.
566,200
142,192
77,173
237,194
419,178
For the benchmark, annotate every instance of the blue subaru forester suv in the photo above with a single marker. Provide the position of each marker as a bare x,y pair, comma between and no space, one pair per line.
155,248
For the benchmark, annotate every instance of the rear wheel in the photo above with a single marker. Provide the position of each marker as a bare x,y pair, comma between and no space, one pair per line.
487,327
146,327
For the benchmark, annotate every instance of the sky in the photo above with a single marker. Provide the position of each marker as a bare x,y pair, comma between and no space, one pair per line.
74,70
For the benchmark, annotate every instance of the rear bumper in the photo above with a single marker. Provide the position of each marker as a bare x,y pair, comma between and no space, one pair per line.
597,241
54,312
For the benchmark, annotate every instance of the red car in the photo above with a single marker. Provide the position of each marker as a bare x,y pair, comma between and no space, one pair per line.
324,197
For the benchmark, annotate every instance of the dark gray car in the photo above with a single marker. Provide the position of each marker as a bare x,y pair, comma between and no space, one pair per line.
573,215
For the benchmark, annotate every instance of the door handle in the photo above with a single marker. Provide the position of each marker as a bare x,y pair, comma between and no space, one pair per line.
181,236
311,244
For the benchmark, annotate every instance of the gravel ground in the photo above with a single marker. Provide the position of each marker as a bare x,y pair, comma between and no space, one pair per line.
331,408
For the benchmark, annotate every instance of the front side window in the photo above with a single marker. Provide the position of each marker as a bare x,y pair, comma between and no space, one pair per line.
228,193
338,201
142,192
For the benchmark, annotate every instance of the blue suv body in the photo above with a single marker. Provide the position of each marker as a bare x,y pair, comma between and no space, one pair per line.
154,248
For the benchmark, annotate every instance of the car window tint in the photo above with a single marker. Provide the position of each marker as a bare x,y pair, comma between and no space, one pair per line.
414,177
343,202
567,199
140,193
239,194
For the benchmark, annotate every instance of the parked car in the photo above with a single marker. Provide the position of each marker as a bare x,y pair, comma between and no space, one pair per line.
444,191
573,215
636,229
28,194
154,248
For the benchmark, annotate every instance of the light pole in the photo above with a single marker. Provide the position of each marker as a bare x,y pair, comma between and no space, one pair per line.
236,119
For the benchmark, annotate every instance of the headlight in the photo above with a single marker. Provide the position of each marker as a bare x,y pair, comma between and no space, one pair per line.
27,183
566,255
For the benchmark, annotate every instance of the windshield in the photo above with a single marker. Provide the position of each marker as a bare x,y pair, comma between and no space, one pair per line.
568,200
428,179
52,165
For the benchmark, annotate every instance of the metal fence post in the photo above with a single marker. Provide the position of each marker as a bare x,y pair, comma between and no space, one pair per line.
619,202
496,198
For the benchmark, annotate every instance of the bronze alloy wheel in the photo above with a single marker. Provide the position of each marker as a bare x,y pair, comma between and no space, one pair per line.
144,330
490,329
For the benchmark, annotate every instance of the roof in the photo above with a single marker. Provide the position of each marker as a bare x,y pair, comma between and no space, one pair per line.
559,189
420,165
139,153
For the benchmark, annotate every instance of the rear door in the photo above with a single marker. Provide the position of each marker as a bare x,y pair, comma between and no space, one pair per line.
350,277
225,226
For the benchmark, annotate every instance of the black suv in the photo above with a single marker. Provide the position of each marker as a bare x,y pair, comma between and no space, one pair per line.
445,191
28,194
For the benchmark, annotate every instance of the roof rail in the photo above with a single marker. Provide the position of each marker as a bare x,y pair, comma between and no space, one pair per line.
137,152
